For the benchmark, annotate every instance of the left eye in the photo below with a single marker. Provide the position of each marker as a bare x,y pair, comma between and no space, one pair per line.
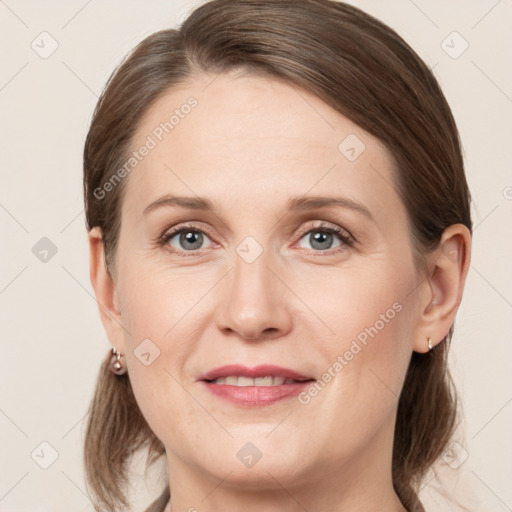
321,239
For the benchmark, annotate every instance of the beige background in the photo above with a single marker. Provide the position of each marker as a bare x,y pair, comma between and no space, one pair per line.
52,338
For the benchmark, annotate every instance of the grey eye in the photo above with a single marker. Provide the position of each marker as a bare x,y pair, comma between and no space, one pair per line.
187,239
321,239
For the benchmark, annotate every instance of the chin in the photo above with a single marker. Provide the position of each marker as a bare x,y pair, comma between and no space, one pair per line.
258,465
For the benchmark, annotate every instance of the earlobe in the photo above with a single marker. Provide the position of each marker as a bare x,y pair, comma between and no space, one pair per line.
442,289
105,290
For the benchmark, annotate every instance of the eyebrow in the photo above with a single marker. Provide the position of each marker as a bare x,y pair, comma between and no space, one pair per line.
192,203
295,204
314,202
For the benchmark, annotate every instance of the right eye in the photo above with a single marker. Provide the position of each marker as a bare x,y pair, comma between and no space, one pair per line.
184,239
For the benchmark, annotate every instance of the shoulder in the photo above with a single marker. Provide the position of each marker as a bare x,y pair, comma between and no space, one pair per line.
161,502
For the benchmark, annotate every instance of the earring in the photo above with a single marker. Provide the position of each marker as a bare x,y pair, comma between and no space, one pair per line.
429,340
116,366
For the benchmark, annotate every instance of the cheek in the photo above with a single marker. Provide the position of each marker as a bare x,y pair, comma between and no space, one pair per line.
362,302
163,314
155,300
366,359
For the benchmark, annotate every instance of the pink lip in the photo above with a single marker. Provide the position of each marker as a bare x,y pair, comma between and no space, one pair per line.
262,370
255,396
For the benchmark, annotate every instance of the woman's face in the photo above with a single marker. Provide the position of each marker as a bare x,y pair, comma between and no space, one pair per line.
261,280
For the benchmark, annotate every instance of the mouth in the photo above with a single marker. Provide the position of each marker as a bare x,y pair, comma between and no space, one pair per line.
255,387
267,381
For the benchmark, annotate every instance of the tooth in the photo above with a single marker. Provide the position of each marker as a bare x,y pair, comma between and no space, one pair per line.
263,381
245,381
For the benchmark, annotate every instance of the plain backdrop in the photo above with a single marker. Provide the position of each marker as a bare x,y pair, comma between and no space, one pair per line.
52,339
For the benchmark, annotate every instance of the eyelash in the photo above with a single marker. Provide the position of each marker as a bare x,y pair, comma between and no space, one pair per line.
346,238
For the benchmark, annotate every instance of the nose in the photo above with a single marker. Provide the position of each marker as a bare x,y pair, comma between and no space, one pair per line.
253,303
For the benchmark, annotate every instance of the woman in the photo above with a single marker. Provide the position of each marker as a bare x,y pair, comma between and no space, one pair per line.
280,233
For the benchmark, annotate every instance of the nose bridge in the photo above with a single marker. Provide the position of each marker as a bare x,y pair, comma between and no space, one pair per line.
251,279
253,305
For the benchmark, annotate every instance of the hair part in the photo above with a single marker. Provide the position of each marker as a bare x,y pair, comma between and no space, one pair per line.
365,71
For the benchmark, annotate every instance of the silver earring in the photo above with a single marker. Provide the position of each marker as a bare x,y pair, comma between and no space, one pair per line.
429,340
116,366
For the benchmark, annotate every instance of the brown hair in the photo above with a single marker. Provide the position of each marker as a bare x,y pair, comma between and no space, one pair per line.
362,69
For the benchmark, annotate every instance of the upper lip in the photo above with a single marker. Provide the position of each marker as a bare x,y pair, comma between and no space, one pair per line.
262,370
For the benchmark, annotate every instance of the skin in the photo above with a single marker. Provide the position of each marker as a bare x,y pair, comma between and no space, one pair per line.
250,144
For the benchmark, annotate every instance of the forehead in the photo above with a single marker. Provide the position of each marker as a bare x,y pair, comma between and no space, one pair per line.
239,136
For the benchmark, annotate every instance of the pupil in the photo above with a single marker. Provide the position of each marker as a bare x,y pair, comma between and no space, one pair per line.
322,238
192,237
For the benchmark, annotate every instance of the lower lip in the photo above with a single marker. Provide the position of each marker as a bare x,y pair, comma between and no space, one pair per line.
256,396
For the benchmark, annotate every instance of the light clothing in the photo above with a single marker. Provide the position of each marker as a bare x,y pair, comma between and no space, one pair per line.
162,503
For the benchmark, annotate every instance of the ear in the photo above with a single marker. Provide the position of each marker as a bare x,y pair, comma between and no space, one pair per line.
441,292
105,290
